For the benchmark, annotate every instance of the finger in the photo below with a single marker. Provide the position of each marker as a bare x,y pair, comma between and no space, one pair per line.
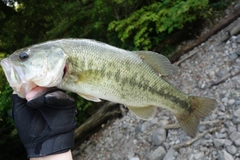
58,98
37,92
17,99
37,96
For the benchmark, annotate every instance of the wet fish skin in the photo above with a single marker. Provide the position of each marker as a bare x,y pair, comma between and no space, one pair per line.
98,71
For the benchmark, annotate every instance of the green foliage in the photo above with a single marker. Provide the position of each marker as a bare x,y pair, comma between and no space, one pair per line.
159,17
9,142
219,4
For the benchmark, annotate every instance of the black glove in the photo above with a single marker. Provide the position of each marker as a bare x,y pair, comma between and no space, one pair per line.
45,124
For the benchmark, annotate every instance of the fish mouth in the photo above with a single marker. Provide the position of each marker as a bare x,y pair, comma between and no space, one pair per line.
15,78
64,71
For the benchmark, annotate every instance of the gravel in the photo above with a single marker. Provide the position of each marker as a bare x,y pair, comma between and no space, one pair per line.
130,138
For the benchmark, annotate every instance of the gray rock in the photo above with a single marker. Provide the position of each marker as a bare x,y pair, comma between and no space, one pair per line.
236,7
237,52
154,120
224,100
231,101
237,113
218,142
234,136
227,142
141,128
237,142
88,150
233,56
134,158
201,84
237,120
222,72
234,45
222,108
236,29
238,39
130,154
231,129
224,36
202,128
231,149
238,128
159,136
204,142
224,155
182,150
157,154
166,145
199,155
170,154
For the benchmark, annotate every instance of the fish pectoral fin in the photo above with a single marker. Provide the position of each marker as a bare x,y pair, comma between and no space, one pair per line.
158,62
90,98
145,113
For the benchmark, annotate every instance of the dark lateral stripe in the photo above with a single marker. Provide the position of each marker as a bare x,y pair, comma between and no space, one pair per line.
170,97
154,90
144,86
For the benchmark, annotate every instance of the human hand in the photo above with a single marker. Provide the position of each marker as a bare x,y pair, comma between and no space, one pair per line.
45,123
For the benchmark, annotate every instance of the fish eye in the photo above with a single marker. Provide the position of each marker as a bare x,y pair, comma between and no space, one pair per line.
23,56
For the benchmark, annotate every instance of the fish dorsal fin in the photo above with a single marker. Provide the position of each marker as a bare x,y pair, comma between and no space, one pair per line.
145,113
90,98
158,62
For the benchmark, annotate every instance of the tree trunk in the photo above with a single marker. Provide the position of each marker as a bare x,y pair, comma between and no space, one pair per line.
205,37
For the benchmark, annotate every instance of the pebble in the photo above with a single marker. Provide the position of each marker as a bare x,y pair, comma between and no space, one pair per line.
236,29
158,154
159,136
238,39
134,158
170,154
231,101
141,127
198,156
234,136
218,142
227,142
237,142
222,72
224,36
224,155
231,149
233,56
237,113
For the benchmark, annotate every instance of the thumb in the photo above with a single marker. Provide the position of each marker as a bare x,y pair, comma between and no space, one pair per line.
58,98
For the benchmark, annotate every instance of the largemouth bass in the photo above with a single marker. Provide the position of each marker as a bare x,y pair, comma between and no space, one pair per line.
96,71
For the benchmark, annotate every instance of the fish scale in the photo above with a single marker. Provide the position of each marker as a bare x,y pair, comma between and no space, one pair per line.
133,81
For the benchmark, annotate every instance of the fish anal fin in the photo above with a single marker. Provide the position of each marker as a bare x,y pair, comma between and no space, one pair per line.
158,62
90,98
145,113
200,107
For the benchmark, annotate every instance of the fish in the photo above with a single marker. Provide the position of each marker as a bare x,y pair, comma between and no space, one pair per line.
98,71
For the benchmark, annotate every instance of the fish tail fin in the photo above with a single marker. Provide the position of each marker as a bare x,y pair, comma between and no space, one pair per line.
200,107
